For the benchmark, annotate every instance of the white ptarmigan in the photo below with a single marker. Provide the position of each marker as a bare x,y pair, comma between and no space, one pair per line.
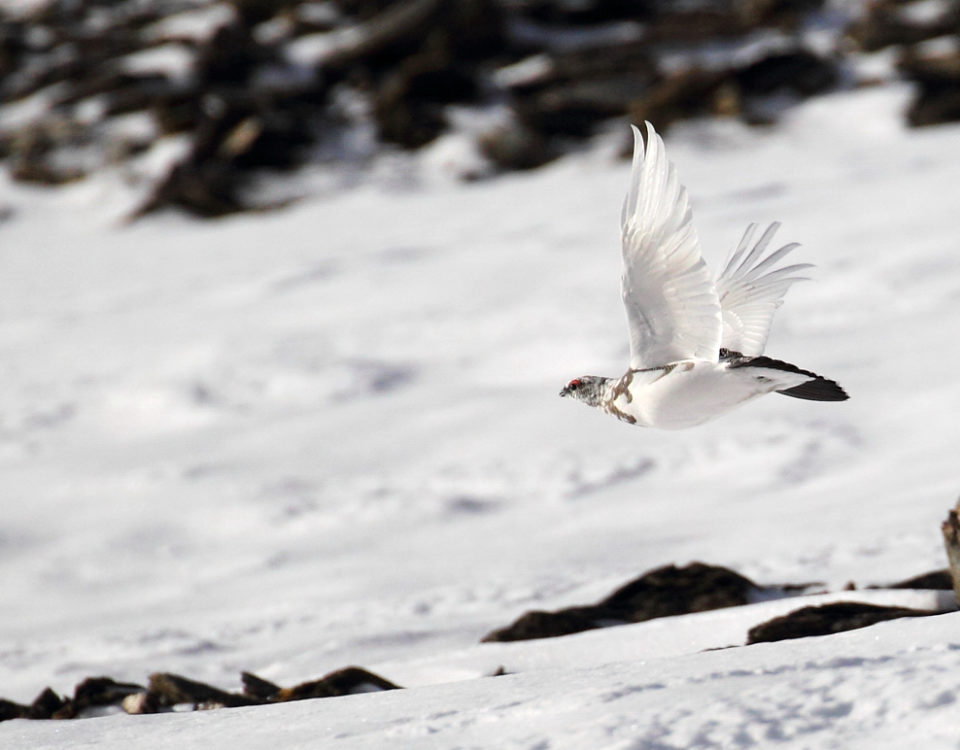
696,343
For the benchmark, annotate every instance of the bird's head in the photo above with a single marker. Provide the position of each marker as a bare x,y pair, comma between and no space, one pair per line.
588,389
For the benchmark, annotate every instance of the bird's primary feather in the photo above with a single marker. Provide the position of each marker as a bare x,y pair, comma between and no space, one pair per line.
751,290
673,311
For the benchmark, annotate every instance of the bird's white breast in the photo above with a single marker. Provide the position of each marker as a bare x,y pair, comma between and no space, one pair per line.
681,394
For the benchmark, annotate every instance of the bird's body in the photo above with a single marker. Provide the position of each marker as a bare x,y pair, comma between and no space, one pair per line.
696,344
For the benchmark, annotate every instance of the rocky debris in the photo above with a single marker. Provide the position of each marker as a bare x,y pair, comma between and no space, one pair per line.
928,35
736,91
685,94
891,22
46,705
142,703
827,619
798,71
249,85
256,85
697,587
662,592
573,90
166,690
12,710
670,590
170,690
409,107
938,580
515,147
93,692
937,97
541,624
259,688
347,681
950,529
36,154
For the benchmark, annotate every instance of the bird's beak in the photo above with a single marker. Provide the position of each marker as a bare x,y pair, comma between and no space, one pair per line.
564,392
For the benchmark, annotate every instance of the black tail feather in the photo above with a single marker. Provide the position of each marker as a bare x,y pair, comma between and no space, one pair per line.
816,389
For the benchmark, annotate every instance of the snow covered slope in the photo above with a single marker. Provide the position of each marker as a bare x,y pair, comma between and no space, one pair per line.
329,435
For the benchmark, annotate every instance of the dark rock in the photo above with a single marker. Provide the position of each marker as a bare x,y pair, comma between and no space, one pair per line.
205,182
681,95
204,189
695,25
474,30
176,114
883,26
43,172
228,57
696,92
363,9
398,31
143,93
828,619
142,703
10,710
408,107
171,689
515,147
464,31
597,11
272,140
539,624
950,530
45,705
410,125
937,98
662,592
45,152
113,84
347,681
582,87
671,591
442,41
259,688
784,14
252,12
440,82
235,133
102,691
938,580
800,72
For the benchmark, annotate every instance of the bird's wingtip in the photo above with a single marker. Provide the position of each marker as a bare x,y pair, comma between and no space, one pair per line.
651,131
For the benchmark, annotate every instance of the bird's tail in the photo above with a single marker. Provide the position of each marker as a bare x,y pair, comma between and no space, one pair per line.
817,388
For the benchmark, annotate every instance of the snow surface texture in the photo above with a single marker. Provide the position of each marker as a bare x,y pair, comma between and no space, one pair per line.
330,435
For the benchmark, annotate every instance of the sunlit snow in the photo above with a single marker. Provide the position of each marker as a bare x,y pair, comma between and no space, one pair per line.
288,442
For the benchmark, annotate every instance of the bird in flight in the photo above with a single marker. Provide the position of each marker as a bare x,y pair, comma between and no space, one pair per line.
696,343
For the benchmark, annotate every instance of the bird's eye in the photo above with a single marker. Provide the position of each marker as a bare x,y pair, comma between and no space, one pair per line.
574,384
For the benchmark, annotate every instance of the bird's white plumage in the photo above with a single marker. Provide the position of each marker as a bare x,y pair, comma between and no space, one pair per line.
751,289
673,310
680,318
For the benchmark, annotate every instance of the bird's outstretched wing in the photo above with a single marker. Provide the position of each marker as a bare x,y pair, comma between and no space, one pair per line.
751,289
673,309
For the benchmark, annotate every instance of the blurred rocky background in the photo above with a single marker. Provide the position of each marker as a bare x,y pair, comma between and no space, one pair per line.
191,101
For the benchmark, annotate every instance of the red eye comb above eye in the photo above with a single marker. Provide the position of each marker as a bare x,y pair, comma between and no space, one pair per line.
574,382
